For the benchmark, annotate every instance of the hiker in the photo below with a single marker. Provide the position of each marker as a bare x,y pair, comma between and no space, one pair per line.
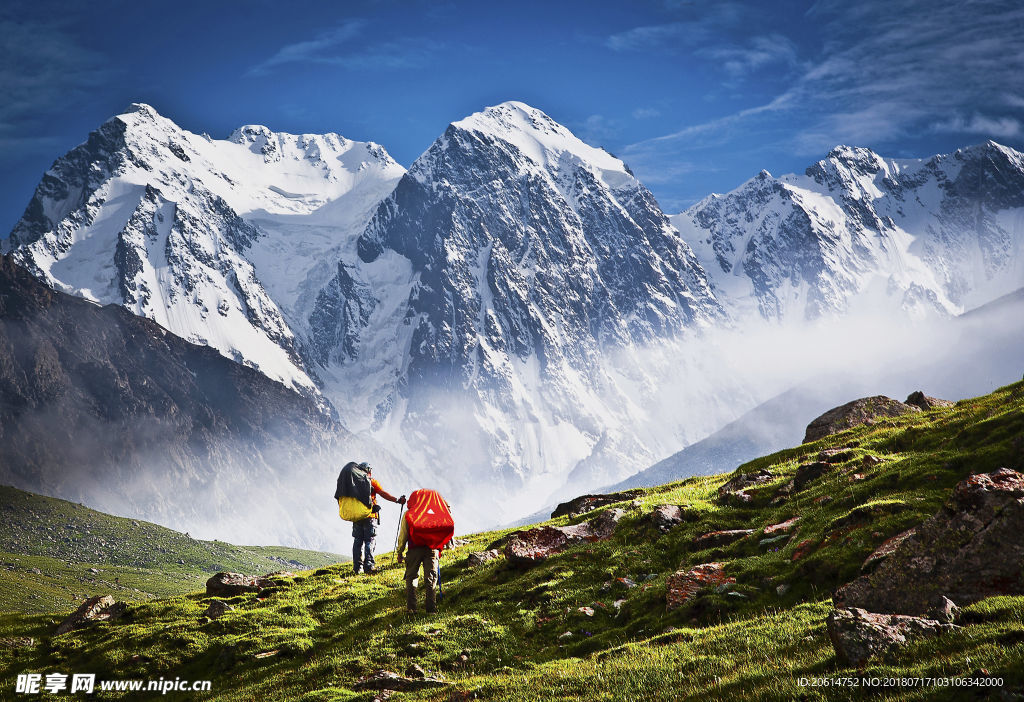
357,502
427,528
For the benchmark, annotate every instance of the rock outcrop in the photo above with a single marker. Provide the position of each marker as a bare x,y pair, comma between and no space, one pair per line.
588,503
477,559
866,410
919,399
232,584
858,635
101,608
969,550
527,548
684,585
724,537
736,488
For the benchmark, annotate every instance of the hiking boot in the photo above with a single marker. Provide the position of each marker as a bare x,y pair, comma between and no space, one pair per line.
432,610
370,571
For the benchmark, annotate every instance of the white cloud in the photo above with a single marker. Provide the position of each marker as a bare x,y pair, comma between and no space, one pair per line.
342,47
998,127
646,113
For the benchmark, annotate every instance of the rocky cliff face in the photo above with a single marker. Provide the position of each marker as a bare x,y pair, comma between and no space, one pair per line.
858,232
101,405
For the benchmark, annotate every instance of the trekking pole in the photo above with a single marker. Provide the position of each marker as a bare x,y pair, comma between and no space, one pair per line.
401,508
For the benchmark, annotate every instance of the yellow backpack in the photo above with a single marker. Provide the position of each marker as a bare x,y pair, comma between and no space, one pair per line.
351,509
354,493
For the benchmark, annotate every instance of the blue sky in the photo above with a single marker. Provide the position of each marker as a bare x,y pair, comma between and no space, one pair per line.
695,96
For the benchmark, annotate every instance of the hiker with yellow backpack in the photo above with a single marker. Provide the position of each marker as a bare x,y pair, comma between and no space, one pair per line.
357,503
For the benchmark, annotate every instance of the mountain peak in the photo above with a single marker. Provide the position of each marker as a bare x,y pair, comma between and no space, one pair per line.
540,138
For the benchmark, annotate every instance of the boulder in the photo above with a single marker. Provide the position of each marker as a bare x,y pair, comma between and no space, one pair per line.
866,410
101,608
232,584
741,481
858,635
809,472
387,680
715,539
218,609
971,549
919,399
529,547
664,517
478,558
782,527
684,585
835,455
885,550
588,503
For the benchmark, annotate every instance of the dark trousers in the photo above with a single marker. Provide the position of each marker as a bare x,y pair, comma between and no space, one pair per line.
363,533
428,558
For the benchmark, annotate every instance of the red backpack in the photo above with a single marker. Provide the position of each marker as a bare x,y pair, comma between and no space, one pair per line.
429,520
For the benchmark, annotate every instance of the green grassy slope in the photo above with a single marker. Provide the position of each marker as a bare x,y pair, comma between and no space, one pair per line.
525,636
50,548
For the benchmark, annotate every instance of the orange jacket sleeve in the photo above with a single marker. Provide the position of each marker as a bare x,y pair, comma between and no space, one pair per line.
378,490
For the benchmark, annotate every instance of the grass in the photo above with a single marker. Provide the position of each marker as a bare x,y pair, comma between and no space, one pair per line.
54,554
508,634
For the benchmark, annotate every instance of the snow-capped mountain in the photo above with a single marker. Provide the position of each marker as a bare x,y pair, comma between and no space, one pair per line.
225,243
480,310
859,232
528,257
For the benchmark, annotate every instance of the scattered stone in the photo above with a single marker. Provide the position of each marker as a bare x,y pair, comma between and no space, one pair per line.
218,609
685,585
456,543
101,608
94,571
809,472
857,477
527,548
945,611
588,503
782,526
885,550
971,549
267,654
742,481
716,539
919,399
835,455
870,460
824,499
782,589
387,680
589,611
617,604
626,582
415,671
664,517
478,558
858,635
35,571
866,410
232,584
565,635
803,549
772,540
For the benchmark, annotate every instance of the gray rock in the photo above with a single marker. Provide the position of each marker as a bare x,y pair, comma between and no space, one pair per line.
218,609
101,608
479,558
742,481
919,399
387,680
858,635
588,503
714,539
866,410
529,547
971,549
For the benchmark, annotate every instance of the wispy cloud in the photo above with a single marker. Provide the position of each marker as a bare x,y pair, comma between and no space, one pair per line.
42,70
701,26
889,70
1001,127
344,46
759,52
646,113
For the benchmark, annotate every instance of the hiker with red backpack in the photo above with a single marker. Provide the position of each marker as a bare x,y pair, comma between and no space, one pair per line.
357,502
427,528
